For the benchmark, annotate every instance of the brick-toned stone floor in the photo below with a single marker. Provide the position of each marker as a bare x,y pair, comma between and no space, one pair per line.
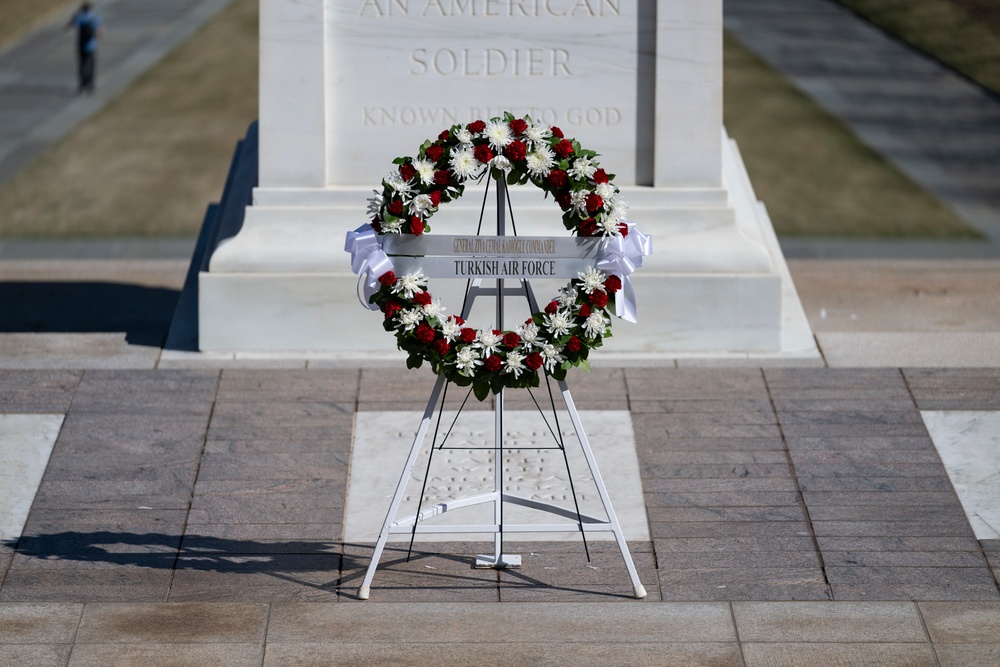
761,485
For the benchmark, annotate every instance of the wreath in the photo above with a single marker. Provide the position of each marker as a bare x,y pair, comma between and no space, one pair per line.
573,323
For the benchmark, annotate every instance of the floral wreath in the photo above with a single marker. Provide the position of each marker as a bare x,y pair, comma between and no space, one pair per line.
571,324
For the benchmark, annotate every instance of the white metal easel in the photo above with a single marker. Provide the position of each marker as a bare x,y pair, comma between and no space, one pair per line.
412,525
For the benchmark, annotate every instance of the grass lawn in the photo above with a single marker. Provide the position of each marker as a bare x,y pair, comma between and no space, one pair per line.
21,16
151,162
815,176
965,34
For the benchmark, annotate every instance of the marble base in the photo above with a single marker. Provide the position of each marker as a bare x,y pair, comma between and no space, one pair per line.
969,445
382,441
27,444
716,282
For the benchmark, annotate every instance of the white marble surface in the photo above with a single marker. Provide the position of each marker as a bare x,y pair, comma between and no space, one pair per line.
26,443
969,445
382,441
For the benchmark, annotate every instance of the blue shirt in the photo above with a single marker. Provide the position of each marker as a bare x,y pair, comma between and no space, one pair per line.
82,21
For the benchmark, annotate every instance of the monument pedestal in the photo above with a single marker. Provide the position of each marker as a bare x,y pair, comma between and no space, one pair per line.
347,85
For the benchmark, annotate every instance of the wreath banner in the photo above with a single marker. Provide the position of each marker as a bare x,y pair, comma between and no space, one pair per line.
599,261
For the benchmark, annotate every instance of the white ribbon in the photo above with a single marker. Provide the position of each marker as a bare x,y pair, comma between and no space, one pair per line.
621,256
368,260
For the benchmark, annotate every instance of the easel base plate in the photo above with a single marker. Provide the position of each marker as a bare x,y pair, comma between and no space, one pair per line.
506,561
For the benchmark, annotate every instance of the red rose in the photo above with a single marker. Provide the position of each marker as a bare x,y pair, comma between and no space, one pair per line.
396,207
599,298
445,134
623,228
492,363
516,150
442,177
435,196
497,332
476,126
422,298
390,309
556,131
518,126
600,176
564,200
467,335
407,171
552,307
594,202
534,361
563,149
416,226
557,179
377,226
388,278
424,333
482,153
441,346
511,339
434,153
613,284
584,310
456,319
574,344
588,227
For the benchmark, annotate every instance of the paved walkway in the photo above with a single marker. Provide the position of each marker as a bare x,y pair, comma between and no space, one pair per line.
38,99
938,128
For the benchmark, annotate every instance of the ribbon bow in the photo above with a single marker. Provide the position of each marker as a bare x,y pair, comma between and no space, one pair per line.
622,255
368,260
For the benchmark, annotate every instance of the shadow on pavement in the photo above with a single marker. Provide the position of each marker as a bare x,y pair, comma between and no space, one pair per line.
143,313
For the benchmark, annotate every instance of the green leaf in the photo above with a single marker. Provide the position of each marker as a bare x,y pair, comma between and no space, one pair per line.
585,365
481,389
414,360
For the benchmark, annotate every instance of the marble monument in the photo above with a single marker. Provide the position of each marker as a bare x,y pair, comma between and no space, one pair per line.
348,85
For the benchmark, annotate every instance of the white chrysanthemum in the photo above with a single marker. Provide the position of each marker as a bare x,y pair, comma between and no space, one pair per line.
558,323
420,204
552,356
498,133
409,318
464,136
425,170
582,168
606,191
434,309
596,324
464,164
394,226
567,296
528,333
450,329
466,360
514,363
540,161
375,203
502,163
578,200
618,210
395,181
537,134
487,341
608,226
409,284
592,279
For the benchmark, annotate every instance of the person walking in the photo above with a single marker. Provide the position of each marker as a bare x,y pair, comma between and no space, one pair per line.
88,29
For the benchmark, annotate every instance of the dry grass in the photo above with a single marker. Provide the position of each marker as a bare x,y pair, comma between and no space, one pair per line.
964,34
150,162
18,17
815,176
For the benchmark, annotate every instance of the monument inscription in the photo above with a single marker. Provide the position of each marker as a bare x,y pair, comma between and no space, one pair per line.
410,68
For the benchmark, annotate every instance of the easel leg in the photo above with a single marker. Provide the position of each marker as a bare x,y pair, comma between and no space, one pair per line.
639,589
418,440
